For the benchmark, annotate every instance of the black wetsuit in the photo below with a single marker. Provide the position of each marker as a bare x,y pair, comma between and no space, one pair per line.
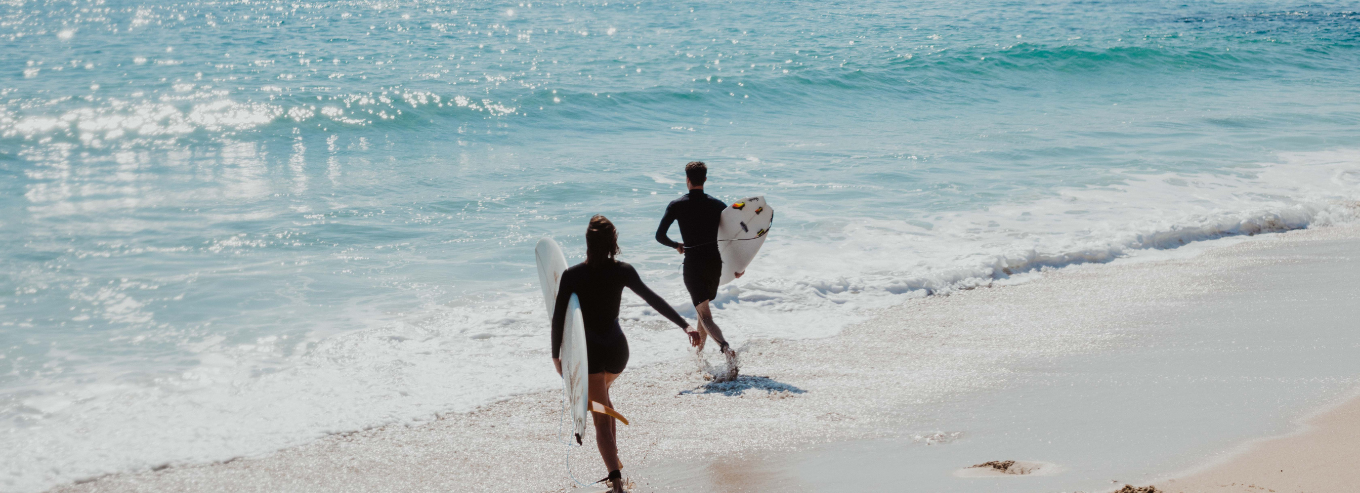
599,291
698,214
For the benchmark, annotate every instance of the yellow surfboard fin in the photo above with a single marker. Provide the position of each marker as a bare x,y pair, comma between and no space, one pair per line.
598,408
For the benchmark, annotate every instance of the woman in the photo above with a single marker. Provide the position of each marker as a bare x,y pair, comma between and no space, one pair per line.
598,285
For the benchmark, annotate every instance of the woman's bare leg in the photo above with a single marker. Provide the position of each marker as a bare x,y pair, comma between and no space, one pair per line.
604,425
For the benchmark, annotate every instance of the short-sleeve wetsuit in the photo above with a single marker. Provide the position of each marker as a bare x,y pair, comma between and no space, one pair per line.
599,291
698,214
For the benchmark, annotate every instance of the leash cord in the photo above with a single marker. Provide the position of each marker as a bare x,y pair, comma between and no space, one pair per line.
561,417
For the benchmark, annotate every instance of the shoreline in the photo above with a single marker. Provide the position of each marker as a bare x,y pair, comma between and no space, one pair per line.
1317,456
1243,287
795,396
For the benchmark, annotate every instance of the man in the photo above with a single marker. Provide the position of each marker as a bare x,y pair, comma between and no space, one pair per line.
698,214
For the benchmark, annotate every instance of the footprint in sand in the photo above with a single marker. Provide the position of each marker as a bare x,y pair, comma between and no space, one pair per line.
1005,468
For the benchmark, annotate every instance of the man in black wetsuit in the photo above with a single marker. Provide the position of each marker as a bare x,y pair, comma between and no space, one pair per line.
698,214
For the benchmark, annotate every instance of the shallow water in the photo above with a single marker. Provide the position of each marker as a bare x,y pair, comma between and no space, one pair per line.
229,227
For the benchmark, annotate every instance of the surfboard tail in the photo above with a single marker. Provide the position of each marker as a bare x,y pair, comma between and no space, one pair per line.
598,408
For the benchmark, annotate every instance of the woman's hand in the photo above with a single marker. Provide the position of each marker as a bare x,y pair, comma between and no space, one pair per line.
557,362
694,337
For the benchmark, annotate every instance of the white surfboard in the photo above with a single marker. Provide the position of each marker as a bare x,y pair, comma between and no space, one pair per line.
741,232
575,372
551,265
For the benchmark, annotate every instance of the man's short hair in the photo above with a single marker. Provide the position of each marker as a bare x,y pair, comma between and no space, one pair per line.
697,172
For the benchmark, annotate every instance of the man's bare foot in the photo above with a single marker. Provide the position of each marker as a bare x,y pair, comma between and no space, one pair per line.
726,349
732,367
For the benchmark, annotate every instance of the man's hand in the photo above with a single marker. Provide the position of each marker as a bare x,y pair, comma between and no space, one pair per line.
680,249
694,337
739,274
557,362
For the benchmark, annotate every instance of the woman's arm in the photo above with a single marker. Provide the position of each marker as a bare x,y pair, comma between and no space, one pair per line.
634,282
559,319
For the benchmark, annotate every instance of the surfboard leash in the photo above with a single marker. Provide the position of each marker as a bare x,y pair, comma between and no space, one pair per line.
561,418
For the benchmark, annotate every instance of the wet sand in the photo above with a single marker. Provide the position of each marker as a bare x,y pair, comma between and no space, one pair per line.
873,382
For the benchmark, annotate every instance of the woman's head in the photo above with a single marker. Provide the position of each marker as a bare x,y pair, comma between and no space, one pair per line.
602,241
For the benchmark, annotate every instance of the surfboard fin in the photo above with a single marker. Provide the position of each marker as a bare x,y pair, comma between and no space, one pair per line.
739,205
598,408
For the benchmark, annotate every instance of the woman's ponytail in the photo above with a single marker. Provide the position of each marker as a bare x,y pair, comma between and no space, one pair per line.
602,242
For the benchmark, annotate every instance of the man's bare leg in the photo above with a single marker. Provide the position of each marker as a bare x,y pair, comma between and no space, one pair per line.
706,324
703,333
707,327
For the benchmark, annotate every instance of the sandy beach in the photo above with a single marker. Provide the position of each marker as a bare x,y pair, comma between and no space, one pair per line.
1319,457
1289,285
826,414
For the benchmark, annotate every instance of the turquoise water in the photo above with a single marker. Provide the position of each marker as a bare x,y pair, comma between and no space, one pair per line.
229,227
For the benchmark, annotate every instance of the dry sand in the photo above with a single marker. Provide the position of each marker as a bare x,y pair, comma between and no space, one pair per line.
1320,458
869,382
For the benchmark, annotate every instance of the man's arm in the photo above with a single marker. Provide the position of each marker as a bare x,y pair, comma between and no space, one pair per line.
662,237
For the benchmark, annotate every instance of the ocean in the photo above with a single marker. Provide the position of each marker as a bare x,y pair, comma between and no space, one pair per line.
229,227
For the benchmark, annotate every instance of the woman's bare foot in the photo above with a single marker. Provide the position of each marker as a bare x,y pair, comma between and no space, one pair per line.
617,484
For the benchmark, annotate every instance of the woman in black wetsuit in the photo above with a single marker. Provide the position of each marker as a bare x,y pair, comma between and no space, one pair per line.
598,285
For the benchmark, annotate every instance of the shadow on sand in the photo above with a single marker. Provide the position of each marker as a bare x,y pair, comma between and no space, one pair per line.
742,384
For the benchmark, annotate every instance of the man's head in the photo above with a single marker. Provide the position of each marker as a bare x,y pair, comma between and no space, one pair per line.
695,174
